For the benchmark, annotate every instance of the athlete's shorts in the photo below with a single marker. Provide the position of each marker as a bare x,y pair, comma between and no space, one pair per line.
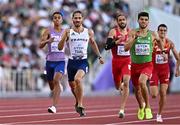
138,69
54,66
75,65
161,73
120,67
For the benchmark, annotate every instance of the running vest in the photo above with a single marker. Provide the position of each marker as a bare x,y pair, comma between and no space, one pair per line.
54,54
141,50
118,50
157,53
78,44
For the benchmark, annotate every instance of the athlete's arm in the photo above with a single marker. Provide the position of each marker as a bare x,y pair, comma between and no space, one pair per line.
155,38
177,73
63,39
174,51
94,45
131,39
110,43
45,38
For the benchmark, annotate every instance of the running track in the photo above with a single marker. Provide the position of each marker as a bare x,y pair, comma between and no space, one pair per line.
99,110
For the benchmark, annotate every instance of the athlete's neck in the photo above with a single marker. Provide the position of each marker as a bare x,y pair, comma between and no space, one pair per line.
163,39
143,31
78,29
57,28
123,31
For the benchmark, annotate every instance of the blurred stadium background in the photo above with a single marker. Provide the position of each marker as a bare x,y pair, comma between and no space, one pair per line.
21,23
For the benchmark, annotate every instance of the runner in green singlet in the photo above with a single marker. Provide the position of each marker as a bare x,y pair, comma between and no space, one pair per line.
140,44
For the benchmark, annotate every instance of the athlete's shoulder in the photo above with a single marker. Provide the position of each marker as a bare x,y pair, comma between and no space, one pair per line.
113,30
151,31
90,31
169,42
45,31
67,30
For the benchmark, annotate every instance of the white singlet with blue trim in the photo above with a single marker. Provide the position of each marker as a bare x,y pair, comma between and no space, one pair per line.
78,44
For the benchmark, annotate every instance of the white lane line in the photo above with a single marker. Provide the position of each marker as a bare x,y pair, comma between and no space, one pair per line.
66,108
60,113
140,121
59,107
91,117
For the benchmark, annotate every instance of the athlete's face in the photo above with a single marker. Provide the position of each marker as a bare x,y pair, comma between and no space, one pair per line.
122,22
77,19
57,19
162,31
143,22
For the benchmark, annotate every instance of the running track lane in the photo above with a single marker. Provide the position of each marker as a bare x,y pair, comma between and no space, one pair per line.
99,110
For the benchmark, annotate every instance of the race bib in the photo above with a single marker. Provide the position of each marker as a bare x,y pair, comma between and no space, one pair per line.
54,47
121,51
77,52
142,49
160,59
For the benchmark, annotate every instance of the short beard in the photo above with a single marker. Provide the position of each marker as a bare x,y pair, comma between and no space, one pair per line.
143,27
122,26
77,26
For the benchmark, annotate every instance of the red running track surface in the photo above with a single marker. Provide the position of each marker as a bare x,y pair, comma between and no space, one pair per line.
99,110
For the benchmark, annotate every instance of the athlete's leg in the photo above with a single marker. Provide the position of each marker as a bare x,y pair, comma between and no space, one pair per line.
79,88
144,90
138,95
142,81
124,90
154,84
154,91
162,101
72,84
163,93
51,85
57,89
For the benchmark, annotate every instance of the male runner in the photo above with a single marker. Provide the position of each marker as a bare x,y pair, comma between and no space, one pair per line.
55,59
78,38
140,43
161,69
121,59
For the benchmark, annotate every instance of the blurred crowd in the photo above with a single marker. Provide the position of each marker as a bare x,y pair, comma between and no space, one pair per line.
22,21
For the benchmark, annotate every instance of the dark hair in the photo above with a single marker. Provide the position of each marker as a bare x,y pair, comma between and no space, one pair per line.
57,12
162,25
120,14
77,11
143,14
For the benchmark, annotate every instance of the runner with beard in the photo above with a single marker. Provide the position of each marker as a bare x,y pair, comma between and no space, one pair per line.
140,43
120,59
78,38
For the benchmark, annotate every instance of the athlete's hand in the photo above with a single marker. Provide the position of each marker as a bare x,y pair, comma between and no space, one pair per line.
51,40
119,39
137,34
177,73
101,60
165,56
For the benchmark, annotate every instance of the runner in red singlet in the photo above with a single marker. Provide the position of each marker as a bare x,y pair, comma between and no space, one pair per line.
161,69
121,59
